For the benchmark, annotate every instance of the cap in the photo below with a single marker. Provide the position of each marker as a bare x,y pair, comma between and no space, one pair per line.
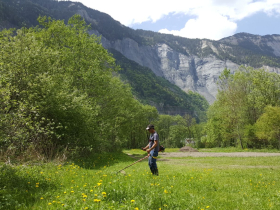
150,127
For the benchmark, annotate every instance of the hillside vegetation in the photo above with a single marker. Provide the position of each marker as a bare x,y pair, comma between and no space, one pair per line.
57,91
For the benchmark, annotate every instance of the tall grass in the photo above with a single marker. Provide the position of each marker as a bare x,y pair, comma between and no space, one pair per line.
183,183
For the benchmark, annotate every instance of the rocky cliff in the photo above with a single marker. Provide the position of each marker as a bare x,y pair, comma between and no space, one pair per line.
189,72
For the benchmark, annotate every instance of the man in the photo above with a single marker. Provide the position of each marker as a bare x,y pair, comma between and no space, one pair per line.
152,149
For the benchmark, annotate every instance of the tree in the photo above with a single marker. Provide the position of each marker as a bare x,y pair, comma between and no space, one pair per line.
268,125
241,100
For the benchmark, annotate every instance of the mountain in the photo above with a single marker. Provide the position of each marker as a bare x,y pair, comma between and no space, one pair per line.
190,64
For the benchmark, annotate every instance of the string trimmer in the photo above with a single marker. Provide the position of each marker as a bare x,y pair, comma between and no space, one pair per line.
134,163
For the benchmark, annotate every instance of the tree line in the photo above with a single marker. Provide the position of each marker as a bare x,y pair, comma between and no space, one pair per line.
246,112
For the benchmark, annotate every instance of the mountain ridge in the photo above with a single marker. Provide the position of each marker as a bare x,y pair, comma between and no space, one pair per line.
191,64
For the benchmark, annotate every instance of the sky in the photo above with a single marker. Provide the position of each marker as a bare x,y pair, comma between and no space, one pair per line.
210,19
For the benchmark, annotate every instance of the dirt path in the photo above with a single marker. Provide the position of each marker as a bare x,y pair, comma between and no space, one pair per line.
218,154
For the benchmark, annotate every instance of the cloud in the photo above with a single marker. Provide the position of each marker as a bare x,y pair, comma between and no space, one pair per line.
213,27
214,18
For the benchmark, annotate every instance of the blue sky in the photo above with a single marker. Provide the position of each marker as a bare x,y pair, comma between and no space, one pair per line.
211,19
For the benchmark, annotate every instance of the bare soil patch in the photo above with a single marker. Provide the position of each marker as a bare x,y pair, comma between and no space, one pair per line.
188,149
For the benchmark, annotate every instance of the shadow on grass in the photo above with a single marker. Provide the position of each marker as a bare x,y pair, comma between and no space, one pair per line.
18,189
97,161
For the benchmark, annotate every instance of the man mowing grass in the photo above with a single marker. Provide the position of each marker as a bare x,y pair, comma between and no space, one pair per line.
152,149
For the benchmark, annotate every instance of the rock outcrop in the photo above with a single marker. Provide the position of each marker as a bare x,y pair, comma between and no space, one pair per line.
188,72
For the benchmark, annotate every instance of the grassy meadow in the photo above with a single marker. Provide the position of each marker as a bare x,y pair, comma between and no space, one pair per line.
183,183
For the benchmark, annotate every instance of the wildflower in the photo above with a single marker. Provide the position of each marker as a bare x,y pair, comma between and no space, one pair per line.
165,191
103,193
57,196
91,190
84,196
207,207
62,204
99,184
64,192
104,196
42,198
96,200
136,208
95,195
41,172
132,201
84,200
37,185
49,203
86,207
72,191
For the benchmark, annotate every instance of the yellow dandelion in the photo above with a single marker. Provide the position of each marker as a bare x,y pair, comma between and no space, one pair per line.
104,196
91,190
37,185
207,207
132,201
165,205
42,198
72,191
103,193
165,191
84,200
99,184
95,195
84,196
41,172
96,200
64,192
86,207
62,204
136,208
49,203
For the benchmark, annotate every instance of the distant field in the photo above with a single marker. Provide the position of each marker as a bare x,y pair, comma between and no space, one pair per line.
183,183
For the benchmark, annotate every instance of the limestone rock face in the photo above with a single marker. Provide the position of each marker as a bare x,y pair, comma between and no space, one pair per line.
189,72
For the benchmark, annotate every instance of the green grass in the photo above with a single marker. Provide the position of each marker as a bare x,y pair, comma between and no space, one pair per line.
234,149
183,183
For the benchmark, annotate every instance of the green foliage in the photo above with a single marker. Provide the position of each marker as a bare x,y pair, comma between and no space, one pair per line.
268,125
173,130
242,99
57,90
